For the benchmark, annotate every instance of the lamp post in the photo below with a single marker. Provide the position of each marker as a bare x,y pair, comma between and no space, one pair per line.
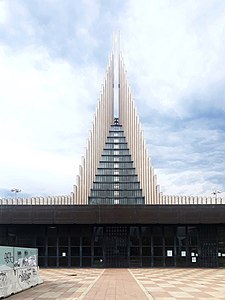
216,192
16,191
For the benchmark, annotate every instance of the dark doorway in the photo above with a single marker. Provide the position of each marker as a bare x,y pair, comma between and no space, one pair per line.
209,255
116,247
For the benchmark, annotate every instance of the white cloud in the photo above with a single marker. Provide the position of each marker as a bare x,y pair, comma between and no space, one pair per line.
43,104
3,12
188,159
173,48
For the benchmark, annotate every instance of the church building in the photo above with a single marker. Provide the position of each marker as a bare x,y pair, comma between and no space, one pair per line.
116,215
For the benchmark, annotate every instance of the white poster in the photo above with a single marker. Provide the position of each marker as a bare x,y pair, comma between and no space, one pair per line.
193,259
183,253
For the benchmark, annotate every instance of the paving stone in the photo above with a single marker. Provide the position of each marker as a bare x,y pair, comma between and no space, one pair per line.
122,284
182,283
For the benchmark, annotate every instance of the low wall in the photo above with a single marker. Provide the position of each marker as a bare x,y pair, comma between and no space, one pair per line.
18,270
13,281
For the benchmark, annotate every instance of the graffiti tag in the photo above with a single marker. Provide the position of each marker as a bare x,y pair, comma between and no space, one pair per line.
8,257
25,276
3,279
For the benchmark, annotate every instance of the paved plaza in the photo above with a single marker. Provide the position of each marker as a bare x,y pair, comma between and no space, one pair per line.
124,284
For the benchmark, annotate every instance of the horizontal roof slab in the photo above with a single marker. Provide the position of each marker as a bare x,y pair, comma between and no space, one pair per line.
112,214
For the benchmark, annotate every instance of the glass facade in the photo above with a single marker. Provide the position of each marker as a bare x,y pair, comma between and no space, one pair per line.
116,181
121,245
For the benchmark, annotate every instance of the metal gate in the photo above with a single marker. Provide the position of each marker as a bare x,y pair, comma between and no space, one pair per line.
208,255
208,247
116,246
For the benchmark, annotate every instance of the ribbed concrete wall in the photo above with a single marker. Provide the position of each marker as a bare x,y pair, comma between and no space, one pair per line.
139,151
103,119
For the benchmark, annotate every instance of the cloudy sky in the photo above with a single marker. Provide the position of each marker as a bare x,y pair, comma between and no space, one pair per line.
53,56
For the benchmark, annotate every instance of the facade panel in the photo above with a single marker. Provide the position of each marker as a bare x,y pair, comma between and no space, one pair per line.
121,245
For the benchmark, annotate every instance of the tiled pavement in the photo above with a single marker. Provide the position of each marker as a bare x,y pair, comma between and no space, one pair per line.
61,284
182,284
120,284
116,284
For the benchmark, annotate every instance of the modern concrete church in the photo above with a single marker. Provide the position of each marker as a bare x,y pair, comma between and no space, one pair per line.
116,215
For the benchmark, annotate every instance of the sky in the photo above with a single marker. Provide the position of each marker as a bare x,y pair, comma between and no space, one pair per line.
53,57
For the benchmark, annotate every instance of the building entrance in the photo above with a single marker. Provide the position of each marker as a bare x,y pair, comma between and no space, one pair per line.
121,246
116,246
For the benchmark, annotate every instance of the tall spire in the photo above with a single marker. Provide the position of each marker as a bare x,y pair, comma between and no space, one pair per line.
116,42
116,52
116,100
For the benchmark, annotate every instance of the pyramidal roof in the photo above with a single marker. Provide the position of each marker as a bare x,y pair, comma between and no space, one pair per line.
116,168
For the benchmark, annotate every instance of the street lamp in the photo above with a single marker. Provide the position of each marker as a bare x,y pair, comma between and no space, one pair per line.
16,191
216,192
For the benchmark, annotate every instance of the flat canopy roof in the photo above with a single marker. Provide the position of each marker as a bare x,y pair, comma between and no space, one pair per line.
112,214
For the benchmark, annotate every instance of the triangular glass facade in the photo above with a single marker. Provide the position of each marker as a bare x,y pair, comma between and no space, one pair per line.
116,181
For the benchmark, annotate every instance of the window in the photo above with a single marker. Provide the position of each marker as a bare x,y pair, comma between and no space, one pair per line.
116,178
116,172
134,236
169,235
116,166
146,236
116,152
116,186
116,146
116,140
192,235
116,201
157,236
116,193
116,159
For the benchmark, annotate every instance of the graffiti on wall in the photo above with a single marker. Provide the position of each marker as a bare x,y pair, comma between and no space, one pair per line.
8,257
25,276
26,262
3,279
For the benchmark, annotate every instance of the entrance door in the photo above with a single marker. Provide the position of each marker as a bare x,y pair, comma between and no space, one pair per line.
116,246
208,246
209,255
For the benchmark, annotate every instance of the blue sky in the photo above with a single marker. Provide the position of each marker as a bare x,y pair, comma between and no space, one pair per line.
53,56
